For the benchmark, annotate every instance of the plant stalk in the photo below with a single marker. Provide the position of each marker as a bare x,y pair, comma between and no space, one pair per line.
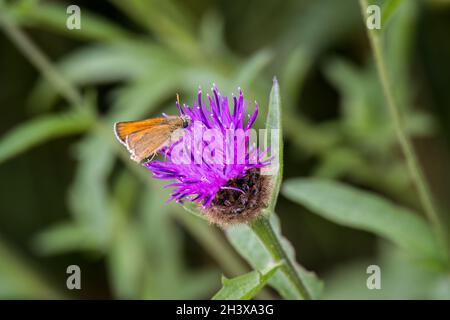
411,158
265,232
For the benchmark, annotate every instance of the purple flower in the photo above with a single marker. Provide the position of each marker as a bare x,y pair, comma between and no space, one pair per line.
220,171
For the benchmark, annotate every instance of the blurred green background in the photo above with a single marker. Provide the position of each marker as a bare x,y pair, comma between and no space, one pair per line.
70,195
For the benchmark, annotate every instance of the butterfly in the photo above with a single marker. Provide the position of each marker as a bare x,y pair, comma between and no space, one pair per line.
144,138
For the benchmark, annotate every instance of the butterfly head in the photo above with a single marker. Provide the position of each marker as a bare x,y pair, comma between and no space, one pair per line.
186,120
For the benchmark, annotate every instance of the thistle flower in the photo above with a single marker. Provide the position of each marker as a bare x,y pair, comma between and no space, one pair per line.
231,190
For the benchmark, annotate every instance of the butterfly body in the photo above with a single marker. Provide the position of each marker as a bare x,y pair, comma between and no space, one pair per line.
144,138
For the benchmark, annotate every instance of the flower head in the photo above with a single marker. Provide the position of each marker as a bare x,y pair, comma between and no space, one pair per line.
213,163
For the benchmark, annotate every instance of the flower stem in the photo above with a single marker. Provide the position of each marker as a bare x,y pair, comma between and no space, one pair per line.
412,162
265,232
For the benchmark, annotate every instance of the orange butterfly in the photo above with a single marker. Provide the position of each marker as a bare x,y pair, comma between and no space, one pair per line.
144,138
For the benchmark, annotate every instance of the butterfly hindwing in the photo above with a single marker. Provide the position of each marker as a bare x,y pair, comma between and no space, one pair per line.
145,143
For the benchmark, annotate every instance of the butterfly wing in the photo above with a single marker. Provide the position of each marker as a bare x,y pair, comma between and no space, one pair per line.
126,128
144,143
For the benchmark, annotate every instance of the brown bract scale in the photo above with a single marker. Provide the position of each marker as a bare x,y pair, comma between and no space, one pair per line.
233,207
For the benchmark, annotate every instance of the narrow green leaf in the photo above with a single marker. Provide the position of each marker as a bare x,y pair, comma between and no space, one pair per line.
294,73
212,34
247,243
350,207
42,129
64,238
274,127
400,42
89,197
389,8
246,286
126,259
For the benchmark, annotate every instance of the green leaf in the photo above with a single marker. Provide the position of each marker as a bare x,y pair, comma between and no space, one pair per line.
274,127
350,207
42,129
295,70
211,37
65,237
388,8
89,201
400,41
247,243
89,197
126,261
246,286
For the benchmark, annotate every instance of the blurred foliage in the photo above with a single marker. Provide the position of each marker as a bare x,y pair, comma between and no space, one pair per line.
81,199
244,287
361,210
250,246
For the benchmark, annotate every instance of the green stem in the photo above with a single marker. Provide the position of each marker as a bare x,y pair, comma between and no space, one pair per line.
40,60
412,162
264,230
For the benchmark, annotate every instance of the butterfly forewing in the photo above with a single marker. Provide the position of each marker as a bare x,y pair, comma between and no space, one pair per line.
123,129
146,137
